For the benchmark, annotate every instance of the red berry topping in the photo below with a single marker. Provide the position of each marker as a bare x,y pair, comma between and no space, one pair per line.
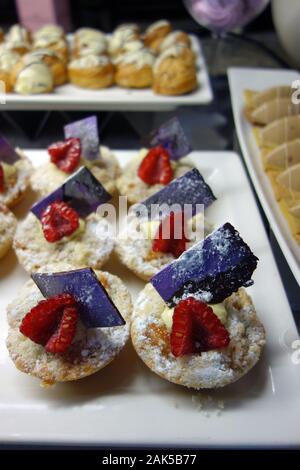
196,328
2,181
59,220
170,237
65,154
63,336
156,167
52,323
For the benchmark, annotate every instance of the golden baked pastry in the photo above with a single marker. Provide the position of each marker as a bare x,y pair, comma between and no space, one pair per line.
155,34
89,46
8,59
53,42
89,34
174,72
134,69
53,30
18,39
91,71
175,37
120,37
48,57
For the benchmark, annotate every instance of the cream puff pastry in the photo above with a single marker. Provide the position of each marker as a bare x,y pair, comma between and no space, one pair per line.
8,60
174,72
91,71
155,34
34,78
120,37
48,57
134,69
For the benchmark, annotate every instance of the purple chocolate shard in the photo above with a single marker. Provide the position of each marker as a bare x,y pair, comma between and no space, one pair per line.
172,137
96,308
188,189
87,131
7,152
82,191
211,270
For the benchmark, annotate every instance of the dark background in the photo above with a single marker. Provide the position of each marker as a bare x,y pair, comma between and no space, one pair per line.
106,14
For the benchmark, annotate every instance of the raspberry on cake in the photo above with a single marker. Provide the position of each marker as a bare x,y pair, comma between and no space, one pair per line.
80,147
194,323
157,165
163,226
68,323
65,227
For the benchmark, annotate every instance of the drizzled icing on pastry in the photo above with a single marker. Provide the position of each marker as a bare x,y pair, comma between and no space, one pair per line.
8,59
140,58
45,41
132,46
119,38
173,51
88,46
89,61
17,34
130,26
170,39
90,34
52,30
38,55
34,78
156,25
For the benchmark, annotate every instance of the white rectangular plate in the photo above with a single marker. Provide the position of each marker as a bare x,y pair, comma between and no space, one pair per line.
241,79
126,404
69,97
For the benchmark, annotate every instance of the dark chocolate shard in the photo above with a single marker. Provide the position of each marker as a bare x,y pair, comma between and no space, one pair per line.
87,131
96,308
189,189
172,137
81,190
7,152
211,270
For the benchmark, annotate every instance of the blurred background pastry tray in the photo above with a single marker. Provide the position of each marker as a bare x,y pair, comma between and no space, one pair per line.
127,404
241,79
69,97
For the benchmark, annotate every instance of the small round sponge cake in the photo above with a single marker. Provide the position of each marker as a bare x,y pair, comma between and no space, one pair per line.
47,177
91,247
91,349
18,184
211,369
8,225
130,184
135,251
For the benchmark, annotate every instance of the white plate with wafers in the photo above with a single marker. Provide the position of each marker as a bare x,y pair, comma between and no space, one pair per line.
241,79
126,404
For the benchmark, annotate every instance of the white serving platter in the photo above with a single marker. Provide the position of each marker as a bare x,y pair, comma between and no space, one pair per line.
69,97
260,79
127,404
